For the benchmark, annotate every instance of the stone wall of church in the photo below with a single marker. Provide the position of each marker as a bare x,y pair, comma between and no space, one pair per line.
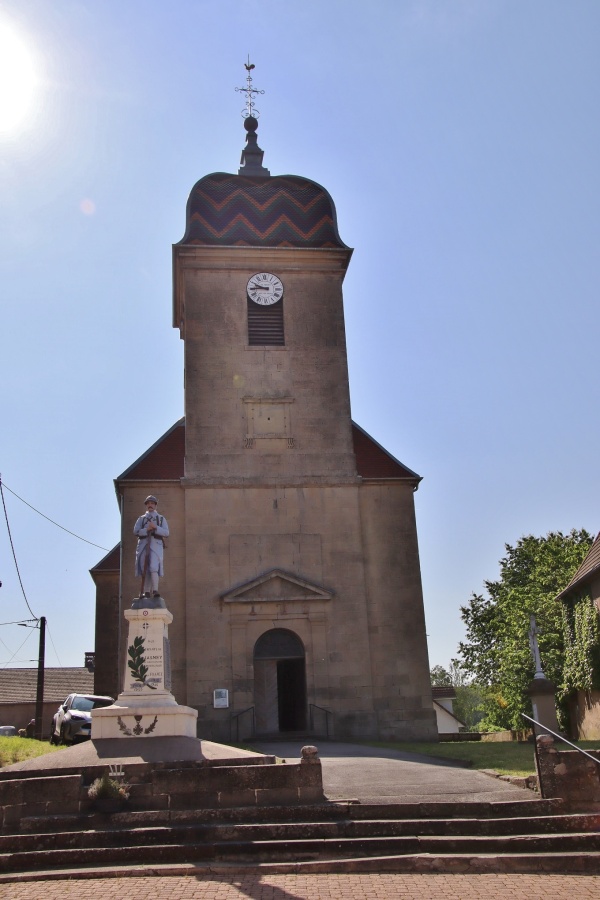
365,645
310,532
396,622
108,619
365,661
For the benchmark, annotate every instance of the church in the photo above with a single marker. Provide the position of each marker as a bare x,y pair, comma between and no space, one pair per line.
292,568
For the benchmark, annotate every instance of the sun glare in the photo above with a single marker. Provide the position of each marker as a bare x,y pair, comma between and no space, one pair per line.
17,80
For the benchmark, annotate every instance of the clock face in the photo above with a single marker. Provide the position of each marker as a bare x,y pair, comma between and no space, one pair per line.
265,289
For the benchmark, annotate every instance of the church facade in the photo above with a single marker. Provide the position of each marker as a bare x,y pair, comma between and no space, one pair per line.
292,569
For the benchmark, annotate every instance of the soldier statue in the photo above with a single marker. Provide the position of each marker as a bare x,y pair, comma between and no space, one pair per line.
151,530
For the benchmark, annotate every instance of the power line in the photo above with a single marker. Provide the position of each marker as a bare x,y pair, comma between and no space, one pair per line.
79,538
13,551
17,650
35,618
53,645
11,661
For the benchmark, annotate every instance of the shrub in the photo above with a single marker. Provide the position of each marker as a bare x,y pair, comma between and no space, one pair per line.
107,788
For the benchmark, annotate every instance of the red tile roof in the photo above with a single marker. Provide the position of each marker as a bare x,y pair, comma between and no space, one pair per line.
590,566
164,461
111,562
373,461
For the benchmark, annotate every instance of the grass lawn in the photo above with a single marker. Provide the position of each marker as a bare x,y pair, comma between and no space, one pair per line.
505,757
16,749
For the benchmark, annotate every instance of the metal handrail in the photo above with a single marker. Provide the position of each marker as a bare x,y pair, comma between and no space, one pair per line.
313,706
561,738
237,716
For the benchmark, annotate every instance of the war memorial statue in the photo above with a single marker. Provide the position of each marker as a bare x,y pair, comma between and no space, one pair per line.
151,530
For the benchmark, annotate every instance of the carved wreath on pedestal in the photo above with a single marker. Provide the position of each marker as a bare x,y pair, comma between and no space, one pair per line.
138,727
137,662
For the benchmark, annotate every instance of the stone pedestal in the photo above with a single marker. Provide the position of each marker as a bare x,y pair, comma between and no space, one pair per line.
542,693
146,707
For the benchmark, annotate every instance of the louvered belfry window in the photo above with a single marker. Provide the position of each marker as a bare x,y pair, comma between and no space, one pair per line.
265,324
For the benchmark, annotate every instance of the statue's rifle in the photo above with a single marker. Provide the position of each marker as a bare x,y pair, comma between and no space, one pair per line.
146,561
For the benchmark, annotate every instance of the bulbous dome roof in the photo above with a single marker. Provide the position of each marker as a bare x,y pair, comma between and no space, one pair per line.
271,211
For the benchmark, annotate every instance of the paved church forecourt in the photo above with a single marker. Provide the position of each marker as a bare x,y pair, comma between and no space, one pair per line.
350,771
311,887
377,775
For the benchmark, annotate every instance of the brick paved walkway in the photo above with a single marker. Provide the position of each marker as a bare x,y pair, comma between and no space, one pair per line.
311,887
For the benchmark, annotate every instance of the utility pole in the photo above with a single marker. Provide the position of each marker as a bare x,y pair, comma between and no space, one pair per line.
39,697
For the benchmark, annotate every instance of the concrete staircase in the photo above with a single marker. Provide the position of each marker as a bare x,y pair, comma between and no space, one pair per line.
515,836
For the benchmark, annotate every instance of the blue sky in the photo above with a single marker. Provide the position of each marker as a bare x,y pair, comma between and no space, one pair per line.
459,140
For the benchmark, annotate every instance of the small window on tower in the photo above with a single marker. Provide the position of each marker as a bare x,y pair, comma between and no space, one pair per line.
265,324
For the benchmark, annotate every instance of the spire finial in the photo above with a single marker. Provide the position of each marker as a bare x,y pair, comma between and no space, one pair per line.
252,155
249,91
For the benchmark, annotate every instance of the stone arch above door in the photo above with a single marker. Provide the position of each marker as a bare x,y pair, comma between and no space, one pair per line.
279,643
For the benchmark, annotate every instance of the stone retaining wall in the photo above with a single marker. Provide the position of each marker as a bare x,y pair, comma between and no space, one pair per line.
568,775
185,787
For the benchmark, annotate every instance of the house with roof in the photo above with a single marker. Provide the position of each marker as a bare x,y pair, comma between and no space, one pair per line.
581,668
18,693
292,569
443,703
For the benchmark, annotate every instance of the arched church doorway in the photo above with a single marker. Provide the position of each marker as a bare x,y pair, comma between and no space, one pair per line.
279,682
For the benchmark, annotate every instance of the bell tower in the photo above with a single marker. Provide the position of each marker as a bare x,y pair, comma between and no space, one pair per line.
258,301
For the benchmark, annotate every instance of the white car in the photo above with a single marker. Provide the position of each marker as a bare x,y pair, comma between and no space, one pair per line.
73,719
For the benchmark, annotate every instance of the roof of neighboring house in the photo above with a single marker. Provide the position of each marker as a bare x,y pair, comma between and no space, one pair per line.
20,685
444,691
164,460
590,566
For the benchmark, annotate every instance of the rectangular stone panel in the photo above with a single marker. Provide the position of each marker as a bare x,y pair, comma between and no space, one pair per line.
250,555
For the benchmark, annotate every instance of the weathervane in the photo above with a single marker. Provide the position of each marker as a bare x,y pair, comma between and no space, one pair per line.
249,91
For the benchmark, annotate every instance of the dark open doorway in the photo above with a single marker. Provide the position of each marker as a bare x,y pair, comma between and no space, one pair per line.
279,682
291,694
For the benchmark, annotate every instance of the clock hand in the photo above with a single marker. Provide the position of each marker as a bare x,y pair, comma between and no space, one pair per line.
261,287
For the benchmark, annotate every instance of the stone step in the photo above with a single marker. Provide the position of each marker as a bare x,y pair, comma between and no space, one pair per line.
587,863
285,850
290,831
331,812
471,836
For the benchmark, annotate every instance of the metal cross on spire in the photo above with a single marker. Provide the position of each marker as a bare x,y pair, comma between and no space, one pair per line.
249,91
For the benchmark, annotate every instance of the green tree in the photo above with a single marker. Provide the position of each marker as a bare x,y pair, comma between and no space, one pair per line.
440,677
496,651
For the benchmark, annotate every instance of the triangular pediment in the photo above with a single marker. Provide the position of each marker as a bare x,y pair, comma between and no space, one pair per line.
276,585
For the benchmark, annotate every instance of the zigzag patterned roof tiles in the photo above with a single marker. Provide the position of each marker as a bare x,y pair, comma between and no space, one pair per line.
282,211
